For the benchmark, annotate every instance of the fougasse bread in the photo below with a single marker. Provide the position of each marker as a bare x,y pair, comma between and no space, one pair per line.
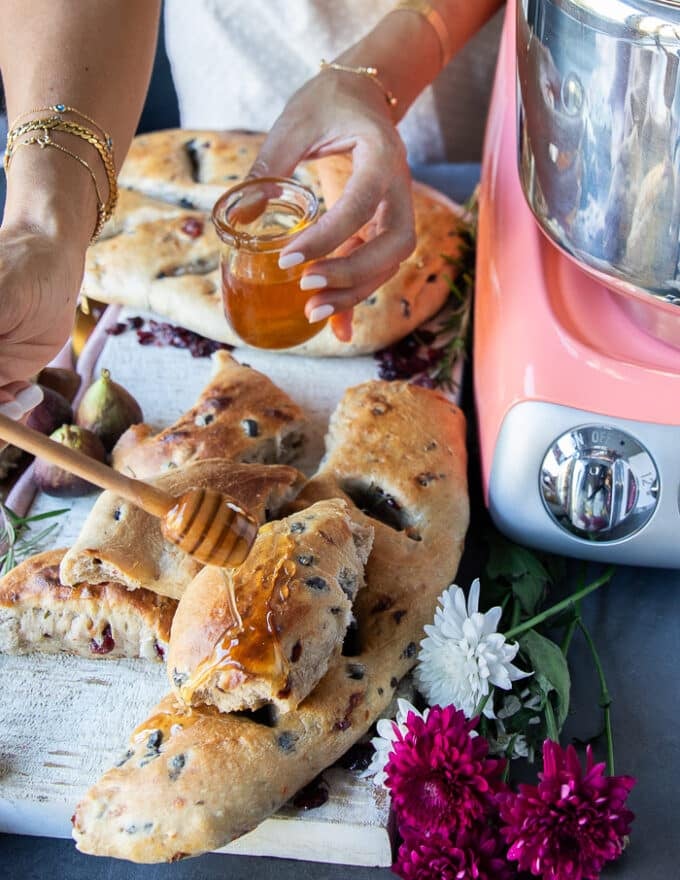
241,415
123,543
264,633
168,263
191,781
38,613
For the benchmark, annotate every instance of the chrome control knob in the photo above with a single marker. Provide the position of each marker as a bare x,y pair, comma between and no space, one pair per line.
599,483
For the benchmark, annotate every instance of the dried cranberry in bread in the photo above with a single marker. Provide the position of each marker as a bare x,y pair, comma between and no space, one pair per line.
194,780
263,633
38,613
122,543
241,415
165,247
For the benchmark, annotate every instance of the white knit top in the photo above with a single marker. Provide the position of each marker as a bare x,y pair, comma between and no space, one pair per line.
236,62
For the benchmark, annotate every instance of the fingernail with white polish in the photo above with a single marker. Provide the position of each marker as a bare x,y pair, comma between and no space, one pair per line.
313,282
287,261
12,410
320,313
29,397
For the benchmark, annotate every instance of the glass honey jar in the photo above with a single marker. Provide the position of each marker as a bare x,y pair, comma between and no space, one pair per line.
255,221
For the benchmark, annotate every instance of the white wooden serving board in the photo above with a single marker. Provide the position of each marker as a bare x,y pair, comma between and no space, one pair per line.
64,720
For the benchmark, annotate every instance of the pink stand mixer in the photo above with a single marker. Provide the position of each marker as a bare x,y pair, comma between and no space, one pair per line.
577,318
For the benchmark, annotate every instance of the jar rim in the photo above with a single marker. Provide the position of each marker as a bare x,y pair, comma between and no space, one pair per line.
228,233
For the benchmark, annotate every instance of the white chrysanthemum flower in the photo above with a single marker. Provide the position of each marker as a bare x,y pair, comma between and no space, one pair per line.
387,734
462,655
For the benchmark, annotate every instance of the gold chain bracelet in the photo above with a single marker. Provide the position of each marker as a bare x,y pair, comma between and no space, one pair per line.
65,108
431,14
17,138
370,72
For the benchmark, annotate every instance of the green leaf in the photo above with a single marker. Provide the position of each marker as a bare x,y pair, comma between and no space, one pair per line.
551,672
525,574
529,590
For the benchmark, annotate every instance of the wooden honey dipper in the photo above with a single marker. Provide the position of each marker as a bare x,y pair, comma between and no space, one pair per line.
204,523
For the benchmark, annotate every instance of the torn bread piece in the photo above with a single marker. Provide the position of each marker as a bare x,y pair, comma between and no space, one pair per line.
120,542
225,773
264,633
241,415
38,613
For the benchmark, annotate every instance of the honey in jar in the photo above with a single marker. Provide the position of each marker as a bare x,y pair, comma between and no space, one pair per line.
255,221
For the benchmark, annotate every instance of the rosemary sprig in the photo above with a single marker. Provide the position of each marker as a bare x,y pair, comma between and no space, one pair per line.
428,355
18,540
454,328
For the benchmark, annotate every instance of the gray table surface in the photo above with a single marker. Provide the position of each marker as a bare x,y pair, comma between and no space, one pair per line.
634,622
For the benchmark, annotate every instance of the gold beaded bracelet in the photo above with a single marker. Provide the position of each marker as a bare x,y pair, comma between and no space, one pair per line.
430,13
370,72
21,135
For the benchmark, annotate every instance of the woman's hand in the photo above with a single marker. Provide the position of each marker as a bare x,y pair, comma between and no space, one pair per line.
369,231
39,281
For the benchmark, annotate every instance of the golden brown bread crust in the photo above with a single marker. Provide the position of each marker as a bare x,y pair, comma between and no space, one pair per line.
192,168
139,269
192,782
121,542
38,613
264,633
241,415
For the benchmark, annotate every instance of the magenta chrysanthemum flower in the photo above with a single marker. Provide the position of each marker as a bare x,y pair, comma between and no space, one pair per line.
470,856
572,823
439,774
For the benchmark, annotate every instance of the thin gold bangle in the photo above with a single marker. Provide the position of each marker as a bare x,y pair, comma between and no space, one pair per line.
430,13
101,208
370,72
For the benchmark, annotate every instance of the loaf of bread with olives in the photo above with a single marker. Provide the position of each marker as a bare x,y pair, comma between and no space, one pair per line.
241,415
167,262
193,779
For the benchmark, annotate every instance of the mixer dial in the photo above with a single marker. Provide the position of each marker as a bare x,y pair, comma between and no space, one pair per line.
599,483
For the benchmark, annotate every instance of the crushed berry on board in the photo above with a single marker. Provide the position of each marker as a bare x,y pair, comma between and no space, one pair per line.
410,358
160,334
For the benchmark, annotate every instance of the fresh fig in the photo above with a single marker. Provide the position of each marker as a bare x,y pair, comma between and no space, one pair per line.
107,409
51,413
52,479
66,382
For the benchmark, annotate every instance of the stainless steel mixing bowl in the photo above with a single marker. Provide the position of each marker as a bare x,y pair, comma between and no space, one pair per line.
599,142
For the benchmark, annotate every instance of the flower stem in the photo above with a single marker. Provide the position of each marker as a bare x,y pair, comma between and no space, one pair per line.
560,606
482,703
551,721
516,613
569,632
605,698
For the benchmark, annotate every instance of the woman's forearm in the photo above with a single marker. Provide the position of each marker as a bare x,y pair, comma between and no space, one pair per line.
94,56
405,48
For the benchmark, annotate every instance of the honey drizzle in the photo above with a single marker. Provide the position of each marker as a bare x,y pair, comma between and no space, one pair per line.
165,721
251,646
